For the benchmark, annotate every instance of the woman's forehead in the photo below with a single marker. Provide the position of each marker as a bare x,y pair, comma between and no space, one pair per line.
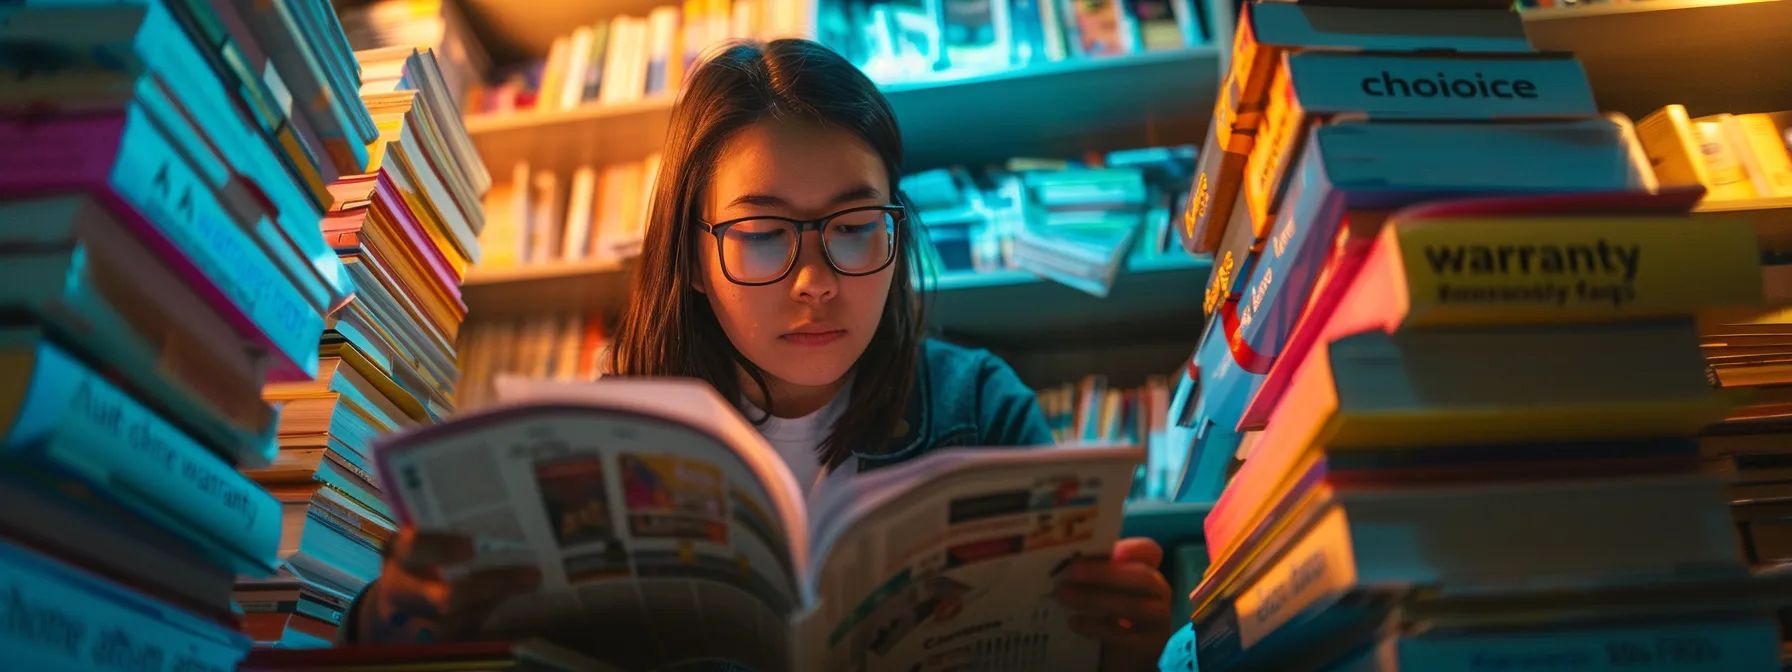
795,165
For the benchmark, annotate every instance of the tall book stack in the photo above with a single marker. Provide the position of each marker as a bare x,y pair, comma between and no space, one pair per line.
405,230
159,212
1458,340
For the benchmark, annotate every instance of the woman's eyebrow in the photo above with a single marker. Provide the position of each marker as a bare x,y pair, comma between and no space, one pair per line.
864,192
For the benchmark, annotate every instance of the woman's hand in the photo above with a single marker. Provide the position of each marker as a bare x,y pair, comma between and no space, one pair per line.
412,602
1124,602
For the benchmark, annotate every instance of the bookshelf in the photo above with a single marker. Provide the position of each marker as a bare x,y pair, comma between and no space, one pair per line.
539,289
995,309
1137,100
1714,56
1159,299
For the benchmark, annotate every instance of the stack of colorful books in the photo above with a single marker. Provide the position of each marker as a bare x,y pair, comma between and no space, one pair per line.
1455,340
405,230
160,261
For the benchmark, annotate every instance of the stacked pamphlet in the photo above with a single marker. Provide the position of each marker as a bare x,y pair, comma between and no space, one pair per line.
1454,362
161,262
405,230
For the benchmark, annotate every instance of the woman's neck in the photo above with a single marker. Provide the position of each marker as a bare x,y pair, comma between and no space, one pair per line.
789,400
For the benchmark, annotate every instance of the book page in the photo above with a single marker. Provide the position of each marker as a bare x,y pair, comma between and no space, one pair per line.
950,561
645,530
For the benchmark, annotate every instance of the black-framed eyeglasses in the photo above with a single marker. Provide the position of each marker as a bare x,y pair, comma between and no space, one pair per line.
762,250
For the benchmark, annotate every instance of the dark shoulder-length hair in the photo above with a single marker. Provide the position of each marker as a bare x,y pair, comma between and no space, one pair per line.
668,328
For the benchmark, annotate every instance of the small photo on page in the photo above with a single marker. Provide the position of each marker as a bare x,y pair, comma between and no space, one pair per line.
674,498
577,504
1063,526
1065,491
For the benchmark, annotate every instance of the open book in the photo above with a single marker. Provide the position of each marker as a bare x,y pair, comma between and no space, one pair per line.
668,531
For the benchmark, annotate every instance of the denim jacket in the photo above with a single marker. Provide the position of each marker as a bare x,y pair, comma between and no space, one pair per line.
961,397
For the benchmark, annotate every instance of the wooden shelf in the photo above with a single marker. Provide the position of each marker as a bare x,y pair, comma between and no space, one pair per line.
1712,56
1167,523
1158,300
1154,98
544,289
563,140
1059,109
513,31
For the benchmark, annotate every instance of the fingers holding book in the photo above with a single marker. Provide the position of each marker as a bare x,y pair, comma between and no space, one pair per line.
1123,601
416,599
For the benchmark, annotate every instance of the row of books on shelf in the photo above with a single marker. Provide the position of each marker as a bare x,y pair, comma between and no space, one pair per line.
546,347
627,58
181,252
1450,295
1092,411
895,42
439,26
1076,221
1072,221
1737,157
539,216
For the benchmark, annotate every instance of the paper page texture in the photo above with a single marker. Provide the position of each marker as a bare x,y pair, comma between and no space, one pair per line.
644,530
958,572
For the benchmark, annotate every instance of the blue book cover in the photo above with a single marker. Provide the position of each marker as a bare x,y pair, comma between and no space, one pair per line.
74,420
67,620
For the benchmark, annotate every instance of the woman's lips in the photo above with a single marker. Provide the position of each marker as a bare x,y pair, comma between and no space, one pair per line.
814,338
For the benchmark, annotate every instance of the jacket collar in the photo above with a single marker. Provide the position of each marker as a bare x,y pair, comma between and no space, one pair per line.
917,420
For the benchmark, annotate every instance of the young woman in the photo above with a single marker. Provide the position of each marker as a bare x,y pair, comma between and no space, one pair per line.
777,266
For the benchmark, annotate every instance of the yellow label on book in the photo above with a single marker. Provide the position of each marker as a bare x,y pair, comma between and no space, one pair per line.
1564,269
1317,567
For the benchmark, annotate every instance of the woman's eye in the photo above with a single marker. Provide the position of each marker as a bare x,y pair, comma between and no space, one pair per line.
851,229
755,236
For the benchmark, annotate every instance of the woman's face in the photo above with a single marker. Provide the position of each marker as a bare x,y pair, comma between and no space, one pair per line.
809,328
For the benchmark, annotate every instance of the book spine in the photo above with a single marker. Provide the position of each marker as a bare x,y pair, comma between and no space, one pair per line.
1314,571
1529,270
273,24
462,223
237,196
1295,244
241,150
1723,646
75,419
415,237
155,192
145,345
77,621
232,56
151,176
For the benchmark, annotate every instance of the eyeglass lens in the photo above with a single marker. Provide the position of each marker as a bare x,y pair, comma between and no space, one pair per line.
761,250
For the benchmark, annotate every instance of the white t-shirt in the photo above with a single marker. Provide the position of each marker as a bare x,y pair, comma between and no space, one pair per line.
796,440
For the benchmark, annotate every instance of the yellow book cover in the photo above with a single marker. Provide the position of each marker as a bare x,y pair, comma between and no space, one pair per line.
1276,136
1321,564
424,209
1570,269
381,381
1760,140
1727,174
430,316
1672,146
414,279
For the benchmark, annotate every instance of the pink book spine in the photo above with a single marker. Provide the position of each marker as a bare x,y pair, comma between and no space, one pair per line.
1335,280
53,153
61,154
413,233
